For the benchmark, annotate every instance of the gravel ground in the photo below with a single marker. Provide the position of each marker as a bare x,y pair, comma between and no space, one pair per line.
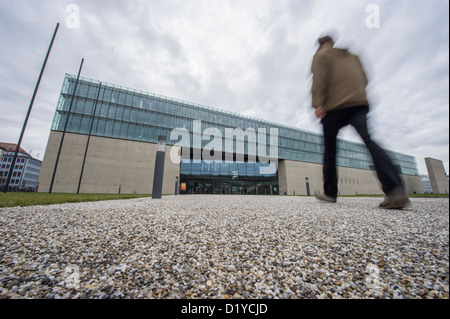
225,247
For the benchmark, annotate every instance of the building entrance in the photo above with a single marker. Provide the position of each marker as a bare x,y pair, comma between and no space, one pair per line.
221,177
191,185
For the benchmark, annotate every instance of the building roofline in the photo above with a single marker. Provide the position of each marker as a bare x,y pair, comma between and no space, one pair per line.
202,106
11,147
215,109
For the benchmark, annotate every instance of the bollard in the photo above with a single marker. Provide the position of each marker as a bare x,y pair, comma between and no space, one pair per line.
308,192
176,186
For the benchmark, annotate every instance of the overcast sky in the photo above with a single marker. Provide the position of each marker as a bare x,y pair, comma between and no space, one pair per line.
247,56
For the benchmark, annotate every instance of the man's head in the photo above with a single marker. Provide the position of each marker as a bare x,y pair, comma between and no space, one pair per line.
324,40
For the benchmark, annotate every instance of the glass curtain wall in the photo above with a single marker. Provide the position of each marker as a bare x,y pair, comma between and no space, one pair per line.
221,177
136,115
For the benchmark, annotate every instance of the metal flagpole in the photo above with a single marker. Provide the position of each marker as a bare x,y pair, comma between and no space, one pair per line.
65,128
89,136
13,163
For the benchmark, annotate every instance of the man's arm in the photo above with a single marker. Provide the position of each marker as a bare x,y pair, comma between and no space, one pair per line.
363,72
319,85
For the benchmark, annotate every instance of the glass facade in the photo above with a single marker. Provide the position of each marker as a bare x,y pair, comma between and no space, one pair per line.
109,110
222,177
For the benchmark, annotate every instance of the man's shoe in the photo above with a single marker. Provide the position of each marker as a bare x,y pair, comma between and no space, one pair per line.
395,202
325,198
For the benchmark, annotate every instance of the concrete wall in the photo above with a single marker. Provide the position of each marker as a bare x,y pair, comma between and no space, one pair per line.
436,173
413,184
110,164
292,179
113,163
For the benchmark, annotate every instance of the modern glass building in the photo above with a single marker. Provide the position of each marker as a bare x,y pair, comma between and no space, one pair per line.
103,110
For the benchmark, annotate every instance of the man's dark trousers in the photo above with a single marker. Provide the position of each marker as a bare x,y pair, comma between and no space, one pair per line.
357,117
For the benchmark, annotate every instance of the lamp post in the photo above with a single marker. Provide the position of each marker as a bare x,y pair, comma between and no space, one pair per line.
176,186
159,168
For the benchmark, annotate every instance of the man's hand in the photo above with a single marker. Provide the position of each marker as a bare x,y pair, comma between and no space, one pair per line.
320,112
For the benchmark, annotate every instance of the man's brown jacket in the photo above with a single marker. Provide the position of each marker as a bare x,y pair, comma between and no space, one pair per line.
339,80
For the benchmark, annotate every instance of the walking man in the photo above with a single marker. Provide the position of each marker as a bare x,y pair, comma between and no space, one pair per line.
339,98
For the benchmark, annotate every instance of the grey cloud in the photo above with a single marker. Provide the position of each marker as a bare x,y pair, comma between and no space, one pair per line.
249,57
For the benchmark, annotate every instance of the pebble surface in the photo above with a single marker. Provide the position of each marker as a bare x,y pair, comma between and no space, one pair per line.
226,247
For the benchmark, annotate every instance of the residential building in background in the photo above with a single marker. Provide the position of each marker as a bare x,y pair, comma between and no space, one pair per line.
26,169
426,184
110,145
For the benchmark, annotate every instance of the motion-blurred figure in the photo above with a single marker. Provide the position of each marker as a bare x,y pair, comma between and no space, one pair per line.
339,98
